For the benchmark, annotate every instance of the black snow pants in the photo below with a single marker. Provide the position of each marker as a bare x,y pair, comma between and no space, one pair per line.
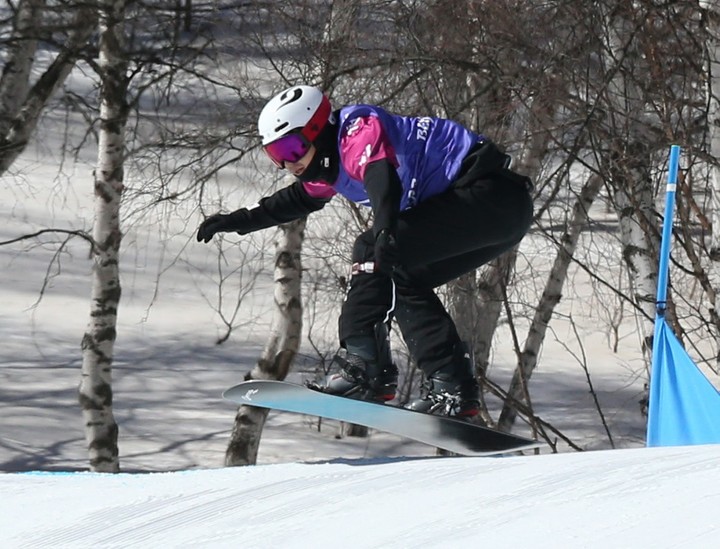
474,221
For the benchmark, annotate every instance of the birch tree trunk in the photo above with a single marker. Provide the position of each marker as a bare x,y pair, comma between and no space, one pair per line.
475,303
21,104
95,394
493,282
629,131
634,202
712,16
286,330
282,345
477,321
15,80
549,300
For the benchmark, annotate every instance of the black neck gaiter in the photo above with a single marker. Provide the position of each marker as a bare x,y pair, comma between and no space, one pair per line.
325,165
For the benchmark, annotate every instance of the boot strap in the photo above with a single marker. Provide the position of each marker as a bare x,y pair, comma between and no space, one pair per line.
351,371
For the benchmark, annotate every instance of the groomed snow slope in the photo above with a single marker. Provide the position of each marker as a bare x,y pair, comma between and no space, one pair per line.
667,497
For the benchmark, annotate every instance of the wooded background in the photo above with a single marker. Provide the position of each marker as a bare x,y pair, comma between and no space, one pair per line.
587,97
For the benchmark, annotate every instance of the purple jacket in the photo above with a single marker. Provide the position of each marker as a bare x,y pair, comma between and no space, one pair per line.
427,153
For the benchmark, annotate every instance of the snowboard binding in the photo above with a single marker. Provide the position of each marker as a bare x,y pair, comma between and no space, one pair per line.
444,403
352,376
451,390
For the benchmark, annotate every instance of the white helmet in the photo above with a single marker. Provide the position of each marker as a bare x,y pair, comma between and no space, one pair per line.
303,108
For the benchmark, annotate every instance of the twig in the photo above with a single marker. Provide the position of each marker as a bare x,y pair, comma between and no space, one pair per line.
531,417
81,234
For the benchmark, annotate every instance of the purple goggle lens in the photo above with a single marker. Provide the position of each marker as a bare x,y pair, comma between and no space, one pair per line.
289,148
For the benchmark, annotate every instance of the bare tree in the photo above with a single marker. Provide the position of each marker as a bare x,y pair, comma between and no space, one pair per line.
22,102
101,430
281,347
712,16
284,340
551,295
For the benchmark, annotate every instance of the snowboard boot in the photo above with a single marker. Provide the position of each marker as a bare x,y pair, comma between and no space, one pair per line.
451,390
351,376
364,370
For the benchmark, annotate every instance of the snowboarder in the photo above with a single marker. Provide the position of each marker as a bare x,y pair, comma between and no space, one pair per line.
444,202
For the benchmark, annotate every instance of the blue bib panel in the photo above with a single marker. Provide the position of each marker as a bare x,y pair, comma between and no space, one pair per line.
429,152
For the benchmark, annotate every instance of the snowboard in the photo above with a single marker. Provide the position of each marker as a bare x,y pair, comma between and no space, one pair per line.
453,435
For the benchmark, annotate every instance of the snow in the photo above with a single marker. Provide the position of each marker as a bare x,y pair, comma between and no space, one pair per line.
662,497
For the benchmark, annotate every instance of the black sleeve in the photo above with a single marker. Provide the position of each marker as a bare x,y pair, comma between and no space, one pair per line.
287,204
384,189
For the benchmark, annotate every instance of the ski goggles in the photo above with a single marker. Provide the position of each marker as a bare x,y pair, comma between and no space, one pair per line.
289,148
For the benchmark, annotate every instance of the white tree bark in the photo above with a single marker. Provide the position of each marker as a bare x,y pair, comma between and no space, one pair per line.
634,201
629,169
476,300
286,329
550,298
712,16
95,393
533,148
282,345
15,80
20,104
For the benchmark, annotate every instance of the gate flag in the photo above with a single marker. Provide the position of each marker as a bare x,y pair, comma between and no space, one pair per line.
684,406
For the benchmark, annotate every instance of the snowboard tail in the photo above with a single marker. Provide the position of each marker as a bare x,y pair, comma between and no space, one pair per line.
443,432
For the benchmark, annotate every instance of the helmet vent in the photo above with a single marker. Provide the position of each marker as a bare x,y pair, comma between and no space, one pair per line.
281,126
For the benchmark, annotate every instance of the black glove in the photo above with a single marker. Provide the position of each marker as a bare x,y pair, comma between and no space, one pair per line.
222,223
387,253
